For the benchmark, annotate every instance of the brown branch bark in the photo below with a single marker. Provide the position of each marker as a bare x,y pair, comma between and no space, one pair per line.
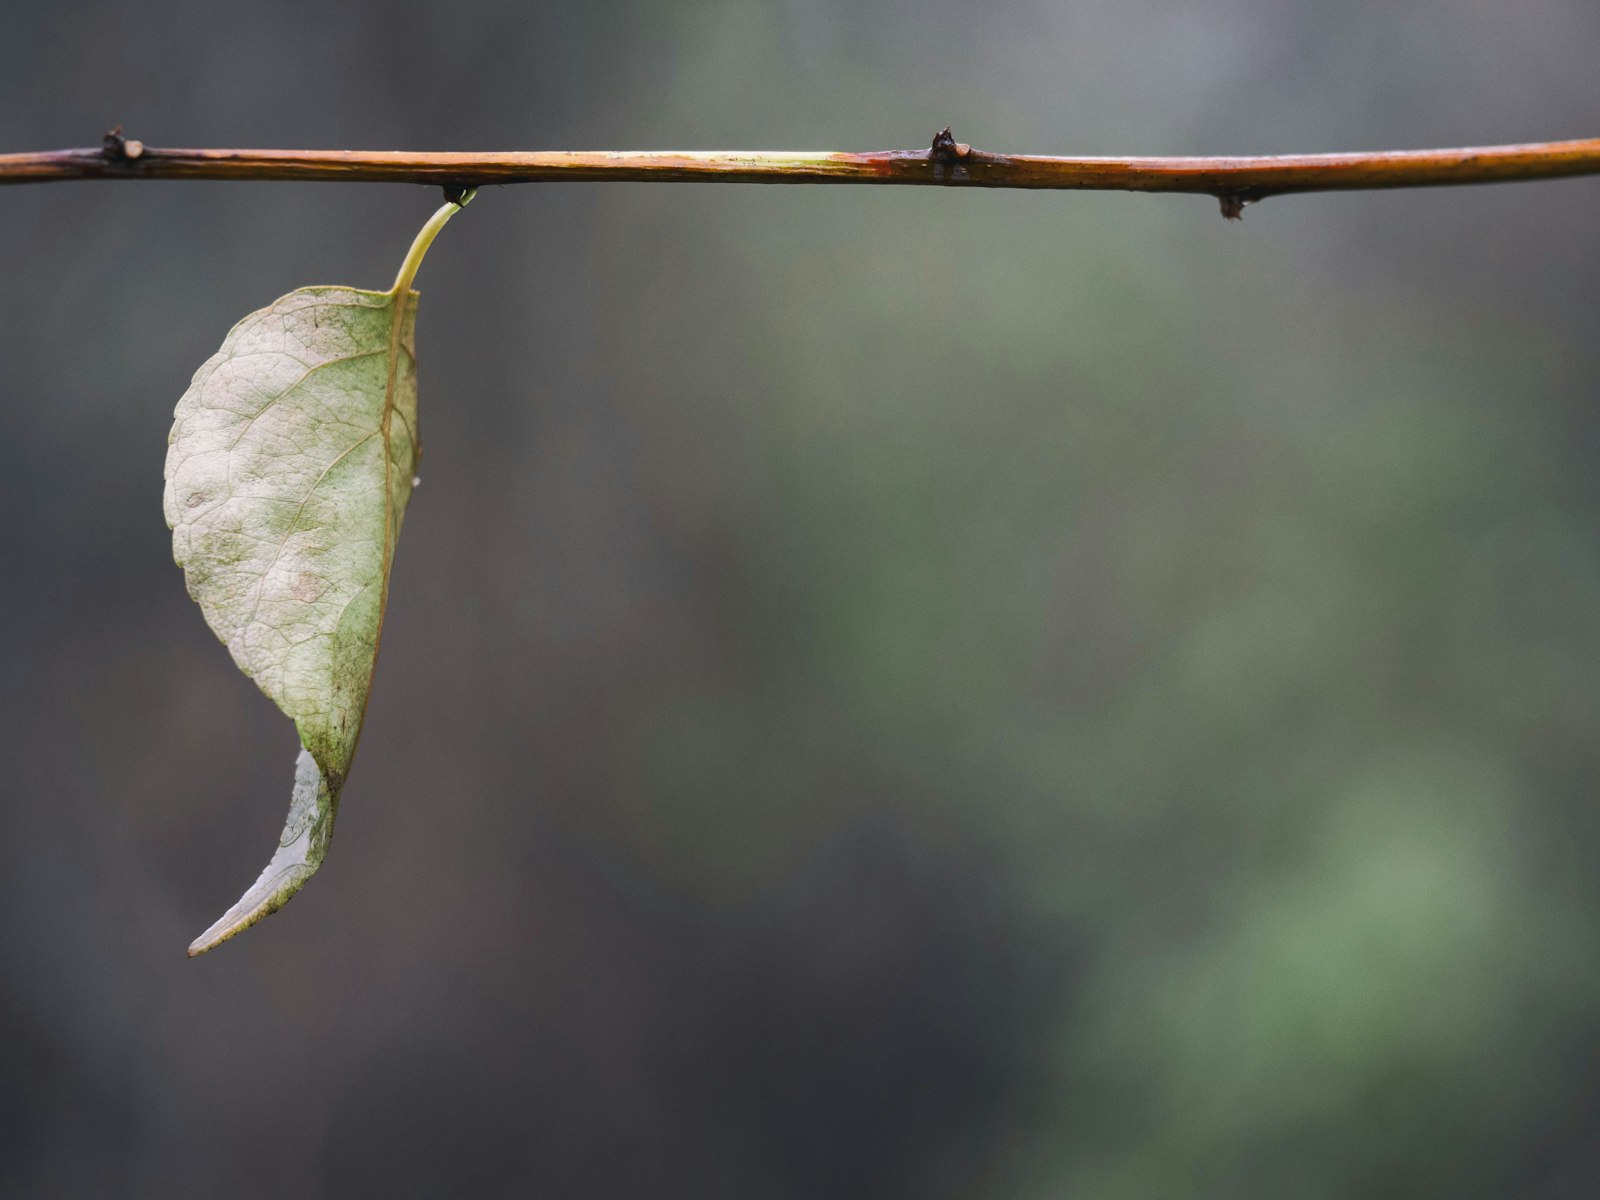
1235,182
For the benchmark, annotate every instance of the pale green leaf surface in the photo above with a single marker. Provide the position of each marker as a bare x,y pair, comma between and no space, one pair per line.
290,463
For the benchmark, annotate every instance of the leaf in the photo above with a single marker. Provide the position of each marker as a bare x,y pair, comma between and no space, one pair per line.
290,463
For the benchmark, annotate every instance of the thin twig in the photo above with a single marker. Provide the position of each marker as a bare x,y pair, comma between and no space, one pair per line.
1235,182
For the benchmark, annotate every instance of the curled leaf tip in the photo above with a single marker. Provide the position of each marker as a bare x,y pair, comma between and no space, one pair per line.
301,849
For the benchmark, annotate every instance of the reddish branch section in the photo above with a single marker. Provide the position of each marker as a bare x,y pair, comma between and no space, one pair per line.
1235,182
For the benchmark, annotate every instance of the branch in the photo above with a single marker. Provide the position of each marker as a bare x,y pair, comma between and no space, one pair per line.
1235,182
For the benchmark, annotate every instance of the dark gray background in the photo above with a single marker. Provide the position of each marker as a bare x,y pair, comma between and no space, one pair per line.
886,692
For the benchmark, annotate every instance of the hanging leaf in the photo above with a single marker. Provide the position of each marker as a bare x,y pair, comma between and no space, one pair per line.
290,463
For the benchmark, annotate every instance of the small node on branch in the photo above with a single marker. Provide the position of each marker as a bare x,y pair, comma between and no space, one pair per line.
116,148
1233,203
945,148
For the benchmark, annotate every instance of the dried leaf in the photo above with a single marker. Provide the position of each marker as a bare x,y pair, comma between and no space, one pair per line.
289,467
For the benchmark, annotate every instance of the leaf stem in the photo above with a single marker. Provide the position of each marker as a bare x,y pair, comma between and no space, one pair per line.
424,239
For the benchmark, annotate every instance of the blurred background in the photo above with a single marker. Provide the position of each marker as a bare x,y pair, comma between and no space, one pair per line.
887,692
